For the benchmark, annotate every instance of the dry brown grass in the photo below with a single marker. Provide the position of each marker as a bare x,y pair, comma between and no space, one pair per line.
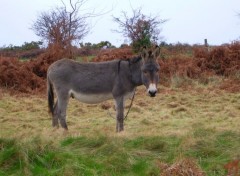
183,167
172,112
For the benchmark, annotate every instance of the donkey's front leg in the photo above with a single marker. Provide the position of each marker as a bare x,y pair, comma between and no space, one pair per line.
120,114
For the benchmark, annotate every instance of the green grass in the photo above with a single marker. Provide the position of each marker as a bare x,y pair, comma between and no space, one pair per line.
104,155
199,124
85,59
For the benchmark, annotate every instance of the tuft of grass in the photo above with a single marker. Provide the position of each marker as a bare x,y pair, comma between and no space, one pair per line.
201,132
85,59
84,142
9,157
179,81
210,80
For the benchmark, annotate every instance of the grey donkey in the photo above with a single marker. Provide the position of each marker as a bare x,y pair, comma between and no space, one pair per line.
96,82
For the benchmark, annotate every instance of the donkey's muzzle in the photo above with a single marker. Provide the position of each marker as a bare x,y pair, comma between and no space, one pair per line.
152,90
152,93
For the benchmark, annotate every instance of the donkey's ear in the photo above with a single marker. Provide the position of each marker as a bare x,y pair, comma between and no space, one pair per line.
156,52
144,53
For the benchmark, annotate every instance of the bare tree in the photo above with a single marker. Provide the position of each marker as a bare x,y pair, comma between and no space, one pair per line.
142,30
61,27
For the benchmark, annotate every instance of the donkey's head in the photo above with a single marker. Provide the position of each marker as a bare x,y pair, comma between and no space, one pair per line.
150,70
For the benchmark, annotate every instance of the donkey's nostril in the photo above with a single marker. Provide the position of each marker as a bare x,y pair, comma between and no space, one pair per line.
152,93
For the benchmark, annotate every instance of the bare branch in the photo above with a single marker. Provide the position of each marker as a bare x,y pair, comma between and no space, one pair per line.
61,26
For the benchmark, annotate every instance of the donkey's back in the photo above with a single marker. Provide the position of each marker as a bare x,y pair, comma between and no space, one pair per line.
88,78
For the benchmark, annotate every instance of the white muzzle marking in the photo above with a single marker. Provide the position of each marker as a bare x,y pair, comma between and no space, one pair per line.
152,88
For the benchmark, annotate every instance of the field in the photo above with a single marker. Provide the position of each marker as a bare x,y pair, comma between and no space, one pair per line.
197,128
190,128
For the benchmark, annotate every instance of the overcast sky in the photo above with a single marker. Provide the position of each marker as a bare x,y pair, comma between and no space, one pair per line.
189,21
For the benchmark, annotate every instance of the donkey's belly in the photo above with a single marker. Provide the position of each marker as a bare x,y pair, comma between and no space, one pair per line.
90,98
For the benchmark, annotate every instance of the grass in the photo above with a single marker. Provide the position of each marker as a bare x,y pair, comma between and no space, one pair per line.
199,124
85,59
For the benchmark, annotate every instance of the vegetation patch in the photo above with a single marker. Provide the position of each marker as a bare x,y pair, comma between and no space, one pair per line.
159,139
192,125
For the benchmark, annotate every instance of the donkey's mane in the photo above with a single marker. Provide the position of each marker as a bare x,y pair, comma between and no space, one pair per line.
135,59
130,61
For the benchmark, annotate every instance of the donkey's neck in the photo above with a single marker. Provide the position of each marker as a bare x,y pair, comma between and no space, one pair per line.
136,74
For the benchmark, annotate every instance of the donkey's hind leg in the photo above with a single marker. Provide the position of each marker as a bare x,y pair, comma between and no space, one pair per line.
55,117
61,110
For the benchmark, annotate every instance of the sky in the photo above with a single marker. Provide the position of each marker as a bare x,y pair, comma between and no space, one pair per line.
189,21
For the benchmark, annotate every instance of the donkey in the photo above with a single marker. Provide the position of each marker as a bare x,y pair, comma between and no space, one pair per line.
96,82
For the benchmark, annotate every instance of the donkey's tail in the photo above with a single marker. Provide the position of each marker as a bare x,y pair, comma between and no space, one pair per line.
50,96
